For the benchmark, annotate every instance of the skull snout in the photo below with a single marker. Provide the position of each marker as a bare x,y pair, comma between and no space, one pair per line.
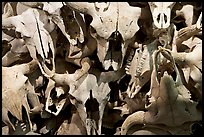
113,58
115,41
93,116
161,20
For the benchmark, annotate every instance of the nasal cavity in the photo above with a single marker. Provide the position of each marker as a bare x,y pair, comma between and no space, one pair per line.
165,18
92,105
115,41
159,18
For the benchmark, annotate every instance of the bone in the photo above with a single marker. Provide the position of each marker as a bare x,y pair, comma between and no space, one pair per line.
8,11
162,12
135,118
18,90
111,26
101,68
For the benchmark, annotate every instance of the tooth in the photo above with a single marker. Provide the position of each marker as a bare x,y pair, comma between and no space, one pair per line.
107,64
127,66
115,65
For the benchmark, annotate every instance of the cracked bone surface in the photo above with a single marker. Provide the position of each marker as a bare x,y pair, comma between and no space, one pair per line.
165,95
90,97
91,103
101,68
113,26
14,94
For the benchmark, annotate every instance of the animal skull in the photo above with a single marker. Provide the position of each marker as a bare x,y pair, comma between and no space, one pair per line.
90,96
90,100
56,98
140,67
14,95
113,26
165,96
161,13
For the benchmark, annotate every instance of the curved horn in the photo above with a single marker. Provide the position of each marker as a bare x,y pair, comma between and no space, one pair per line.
133,119
83,7
199,22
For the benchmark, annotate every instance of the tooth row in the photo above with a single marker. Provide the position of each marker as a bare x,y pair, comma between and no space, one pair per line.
141,63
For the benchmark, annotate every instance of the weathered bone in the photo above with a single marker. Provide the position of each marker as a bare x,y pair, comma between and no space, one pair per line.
57,88
18,90
192,59
187,12
75,127
140,68
199,22
63,22
120,28
96,90
76,53
38,39
161,13
8,11
100,94
56,98
185,129
158,104
17,52
71,36
191,65
188,32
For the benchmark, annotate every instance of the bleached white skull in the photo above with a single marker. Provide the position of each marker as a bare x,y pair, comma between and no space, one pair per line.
166,101
90,98
161,13
113,26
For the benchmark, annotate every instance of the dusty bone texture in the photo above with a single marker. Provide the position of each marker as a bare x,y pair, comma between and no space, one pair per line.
15,95
140,67
89,68
167,95
91,105
115,22
161,13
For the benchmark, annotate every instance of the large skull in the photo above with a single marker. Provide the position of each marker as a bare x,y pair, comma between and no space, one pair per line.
168,102
161,13
90,99
114,25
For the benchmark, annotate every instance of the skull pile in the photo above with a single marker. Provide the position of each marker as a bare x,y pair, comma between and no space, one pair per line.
101,68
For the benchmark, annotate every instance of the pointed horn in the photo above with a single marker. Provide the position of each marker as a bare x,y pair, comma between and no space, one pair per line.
8,11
